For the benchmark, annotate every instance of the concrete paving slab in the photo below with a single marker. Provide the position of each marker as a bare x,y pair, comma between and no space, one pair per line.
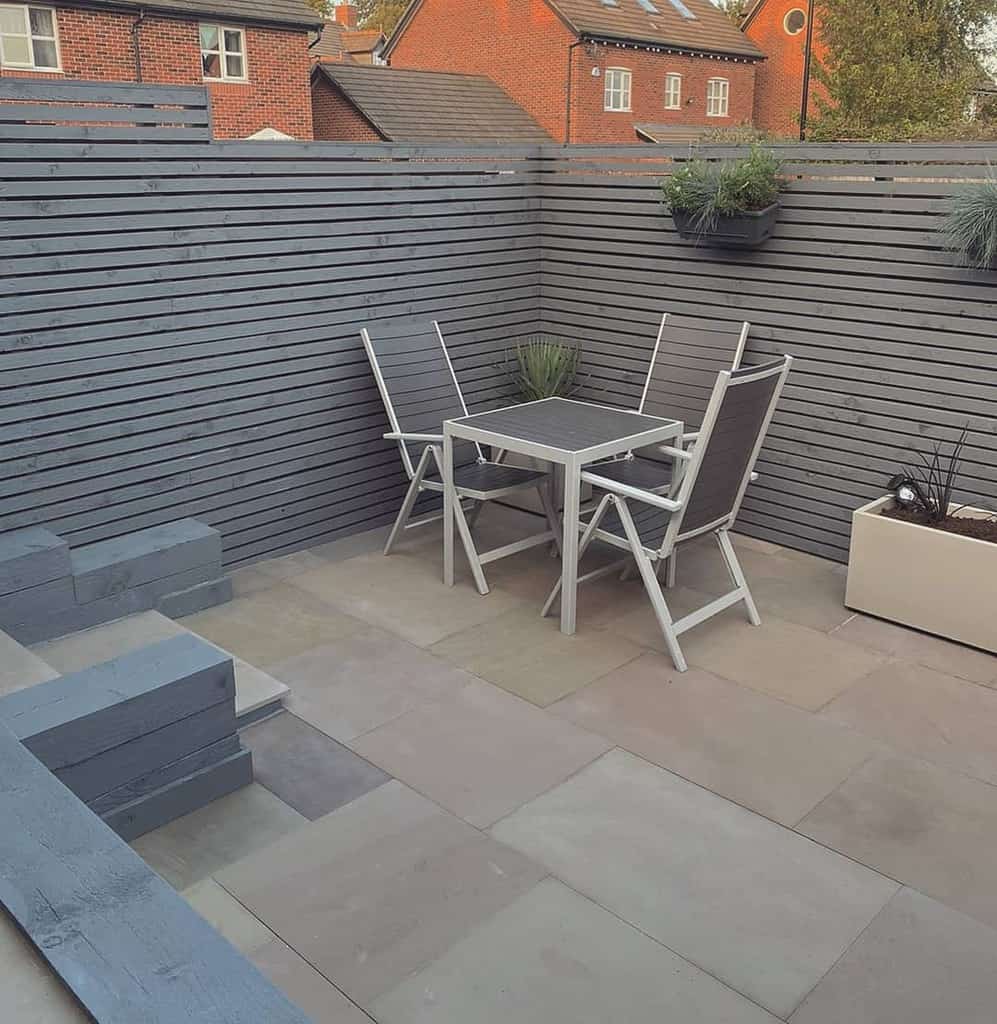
404,595
767,755
379,888
922,712
298,980
910,645
31,993
919,962
750,902
364,680
21,667
204,842
482,753
271,625
554,956
530,656
932,828
305,768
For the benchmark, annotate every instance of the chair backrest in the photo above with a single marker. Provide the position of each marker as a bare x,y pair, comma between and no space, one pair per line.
724,456
418,385
688,354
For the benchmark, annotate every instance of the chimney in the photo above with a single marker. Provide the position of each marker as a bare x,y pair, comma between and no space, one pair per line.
346,15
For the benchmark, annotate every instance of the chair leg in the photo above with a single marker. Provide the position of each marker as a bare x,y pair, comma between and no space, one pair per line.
652,586
469,549
672,566
411,495
737,576
472,517
583,544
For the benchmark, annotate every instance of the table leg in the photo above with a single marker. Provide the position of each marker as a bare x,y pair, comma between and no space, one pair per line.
448,510
569,547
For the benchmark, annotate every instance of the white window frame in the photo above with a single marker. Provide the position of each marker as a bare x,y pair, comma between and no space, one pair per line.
673,91
718,97
222,53
33,66
785,21
619,82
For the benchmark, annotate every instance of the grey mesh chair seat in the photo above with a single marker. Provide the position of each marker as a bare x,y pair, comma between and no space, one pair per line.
705,499
420,391
652,523
647,474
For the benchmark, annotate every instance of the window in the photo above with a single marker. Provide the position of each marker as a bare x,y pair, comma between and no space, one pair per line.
673,92
223,53
27,38
794,22
683,10
717,95
617,89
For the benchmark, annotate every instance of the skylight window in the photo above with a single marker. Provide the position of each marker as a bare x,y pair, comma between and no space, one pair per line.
683,10
648,6
610,3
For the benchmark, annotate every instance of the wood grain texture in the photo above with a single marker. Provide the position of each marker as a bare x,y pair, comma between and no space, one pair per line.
122,940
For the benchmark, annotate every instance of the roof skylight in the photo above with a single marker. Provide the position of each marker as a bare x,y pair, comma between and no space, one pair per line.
648,6
682,9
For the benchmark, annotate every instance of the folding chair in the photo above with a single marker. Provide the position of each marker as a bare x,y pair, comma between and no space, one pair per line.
684,364
712,478
419,388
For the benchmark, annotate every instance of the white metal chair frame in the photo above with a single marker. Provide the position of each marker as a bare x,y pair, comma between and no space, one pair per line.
650,560
432,454
689,437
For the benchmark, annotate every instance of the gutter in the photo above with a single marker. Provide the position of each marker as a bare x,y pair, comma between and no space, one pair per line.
137,43
567,92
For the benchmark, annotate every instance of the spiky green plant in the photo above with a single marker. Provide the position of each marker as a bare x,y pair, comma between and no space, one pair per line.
544,369
970,227
709,191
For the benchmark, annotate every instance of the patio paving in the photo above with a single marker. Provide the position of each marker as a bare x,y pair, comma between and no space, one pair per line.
472,817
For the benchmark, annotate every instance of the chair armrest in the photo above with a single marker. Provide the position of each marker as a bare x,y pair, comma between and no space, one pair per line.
398,436
625,491
692,435
675,453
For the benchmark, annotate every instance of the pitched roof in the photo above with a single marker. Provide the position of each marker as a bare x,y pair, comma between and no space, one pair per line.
424,106
289,13
659,22
330,45
363,40
693,25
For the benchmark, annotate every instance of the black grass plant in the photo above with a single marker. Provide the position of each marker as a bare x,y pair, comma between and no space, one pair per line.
933,483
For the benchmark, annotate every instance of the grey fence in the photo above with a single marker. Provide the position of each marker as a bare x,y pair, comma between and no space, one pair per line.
895,345
180,319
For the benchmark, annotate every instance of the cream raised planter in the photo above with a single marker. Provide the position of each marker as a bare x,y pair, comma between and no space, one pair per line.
935,581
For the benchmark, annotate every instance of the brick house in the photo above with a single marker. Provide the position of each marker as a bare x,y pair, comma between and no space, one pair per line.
591,70
779,27
340,39
358,103
251,54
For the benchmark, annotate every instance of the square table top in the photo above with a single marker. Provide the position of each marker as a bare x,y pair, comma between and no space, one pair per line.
563,425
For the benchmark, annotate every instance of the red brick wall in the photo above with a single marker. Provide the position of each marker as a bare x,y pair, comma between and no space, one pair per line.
523,46
98,45
590,122
520,44
779,82
336,118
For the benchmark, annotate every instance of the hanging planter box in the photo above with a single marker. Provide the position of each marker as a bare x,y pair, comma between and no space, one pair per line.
740,231
939,582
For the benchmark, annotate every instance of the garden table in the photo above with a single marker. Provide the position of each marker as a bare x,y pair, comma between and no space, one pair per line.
567,433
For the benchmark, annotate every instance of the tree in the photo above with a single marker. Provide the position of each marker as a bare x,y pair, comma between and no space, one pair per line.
382,14
734,9
897,68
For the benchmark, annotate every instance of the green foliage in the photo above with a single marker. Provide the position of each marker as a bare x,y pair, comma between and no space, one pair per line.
970,227
544,369
734,9
382,14
898,70
710,191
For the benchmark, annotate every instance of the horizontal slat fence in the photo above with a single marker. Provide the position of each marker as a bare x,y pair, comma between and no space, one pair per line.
180,319
180,328
895,345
